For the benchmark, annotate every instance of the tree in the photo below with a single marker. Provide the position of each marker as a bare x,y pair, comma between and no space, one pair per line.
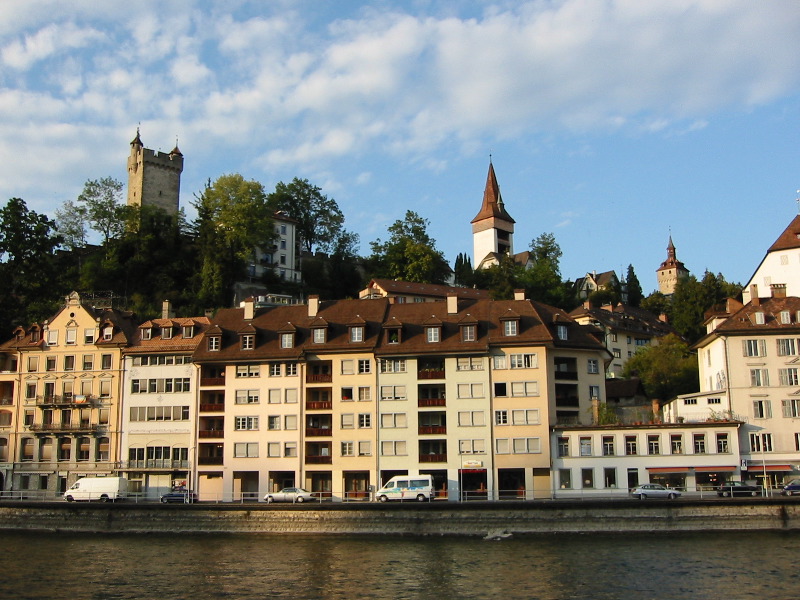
319,217
463,273
409,254
501,279
101,203
658,304
542,281
635,294
692,298
233,218
666,370
71,225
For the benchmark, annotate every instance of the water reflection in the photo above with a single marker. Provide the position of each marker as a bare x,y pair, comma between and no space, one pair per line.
702,565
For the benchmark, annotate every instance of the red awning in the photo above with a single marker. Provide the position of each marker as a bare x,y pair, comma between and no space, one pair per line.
714,469
668,469
755,468
472,470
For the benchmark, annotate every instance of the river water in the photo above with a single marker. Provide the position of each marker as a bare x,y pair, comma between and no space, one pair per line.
676,566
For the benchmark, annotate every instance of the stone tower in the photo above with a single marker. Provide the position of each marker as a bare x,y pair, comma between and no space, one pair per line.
154,178
670,271
492,227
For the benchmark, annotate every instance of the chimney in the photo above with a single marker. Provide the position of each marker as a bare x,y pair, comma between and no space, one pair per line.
166,310
754,299
663,318
778,290
656,407
313,305
596,411
587,305
249,309
519,294
452,304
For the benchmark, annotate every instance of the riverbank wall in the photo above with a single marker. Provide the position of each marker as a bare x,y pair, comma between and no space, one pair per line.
433,519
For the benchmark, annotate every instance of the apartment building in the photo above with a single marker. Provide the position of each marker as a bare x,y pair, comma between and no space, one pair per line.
69,371
159,416
9,399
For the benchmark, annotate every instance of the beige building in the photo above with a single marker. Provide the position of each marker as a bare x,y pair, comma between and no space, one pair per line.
670,271
154,178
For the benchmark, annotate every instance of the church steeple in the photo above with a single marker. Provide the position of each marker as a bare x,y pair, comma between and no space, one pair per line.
492,227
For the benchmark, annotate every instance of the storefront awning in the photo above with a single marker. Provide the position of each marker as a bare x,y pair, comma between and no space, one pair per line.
714,469
668,469
472,470
755,468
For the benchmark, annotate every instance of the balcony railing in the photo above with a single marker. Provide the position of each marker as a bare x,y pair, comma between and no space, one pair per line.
319,377
319,404
319,431
570,375
431,374
66,400
423,402
211,381
319,460
432,458
59,428
209,460
6,401
568,401
432,429
156,464
212,408
211,433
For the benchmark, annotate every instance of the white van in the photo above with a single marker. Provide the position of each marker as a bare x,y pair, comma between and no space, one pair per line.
407,487
105,489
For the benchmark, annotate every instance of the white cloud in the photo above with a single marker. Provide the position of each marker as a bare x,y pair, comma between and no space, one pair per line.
46,42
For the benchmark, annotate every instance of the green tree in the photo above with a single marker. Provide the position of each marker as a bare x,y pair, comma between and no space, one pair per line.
635,294
658,304
233,218
101,205
409,254
666,370
501,279
542,281
692,298
71,225
319,218
463,273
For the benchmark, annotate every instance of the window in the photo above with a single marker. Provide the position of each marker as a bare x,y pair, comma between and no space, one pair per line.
797,442
347,394
364,394
246,423
356,334
319,335
524,388
365,448
610,477
791,408
526,445
762,409
287,340
50,363
291,369
348,449
274,396
33,364
433,334
105,362
788,376
714,401
501,417
290,396
528,416
166,333
364,421
88,336
273,423
501,389
502,446
699,443
248,341
471,418
470,390
88,362
787,347
722,443
608,445
392,448
617,353
69,363
52,337
594,391
565,479
562,331
761,442
759,377
467,363
396,365
468,333
760,318
630,445
563,446
393,392
676,443
108,333
690,401
754,347
72,336
30,391
247,397
364,366
585,446
393,420
290,449
499,361
524,361
472,446
187,331
273,449
245,450
214,343
593,366
587,477
248,371
510,328
653,445
348,421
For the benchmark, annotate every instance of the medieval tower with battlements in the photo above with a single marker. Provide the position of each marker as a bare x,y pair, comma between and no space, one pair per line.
154,178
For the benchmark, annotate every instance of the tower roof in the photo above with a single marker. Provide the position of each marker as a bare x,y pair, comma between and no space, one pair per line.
492,201
137,141
672,261
790,238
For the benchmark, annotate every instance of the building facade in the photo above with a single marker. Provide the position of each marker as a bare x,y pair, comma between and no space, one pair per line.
154,178
780,265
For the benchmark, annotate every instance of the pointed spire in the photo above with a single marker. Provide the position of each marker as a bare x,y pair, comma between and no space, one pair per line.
492,200
176,151
137,141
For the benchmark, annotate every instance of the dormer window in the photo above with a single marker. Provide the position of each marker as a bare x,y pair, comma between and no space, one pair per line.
34,335
357,334
147,333
319,335
108,332
468,333
214,343
759,318
188,331
248,341
510,327
166,333
562,331
393,336
287,340
786,317
433,334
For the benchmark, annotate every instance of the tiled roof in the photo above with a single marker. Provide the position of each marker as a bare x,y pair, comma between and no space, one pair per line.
625,318
744,320
177,343
492,201
790,238
431,290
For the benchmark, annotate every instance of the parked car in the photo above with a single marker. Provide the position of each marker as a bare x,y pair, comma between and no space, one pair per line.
791,488
179,496
654,490
737,488
290,494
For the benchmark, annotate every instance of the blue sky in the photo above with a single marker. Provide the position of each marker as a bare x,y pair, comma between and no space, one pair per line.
610,123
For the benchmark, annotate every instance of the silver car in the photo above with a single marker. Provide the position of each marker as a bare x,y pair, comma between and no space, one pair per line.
290,494
654,490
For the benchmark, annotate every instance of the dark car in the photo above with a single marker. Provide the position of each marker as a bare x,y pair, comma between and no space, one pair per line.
737,488
791,488
182,497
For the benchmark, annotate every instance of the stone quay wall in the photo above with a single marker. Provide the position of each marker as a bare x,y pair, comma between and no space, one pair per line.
433,519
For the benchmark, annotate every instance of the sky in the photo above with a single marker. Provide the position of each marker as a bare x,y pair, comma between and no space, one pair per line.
611,124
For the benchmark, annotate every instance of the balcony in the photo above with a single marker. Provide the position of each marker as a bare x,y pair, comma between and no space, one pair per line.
212,408
319,377
430,374
432,429
156,464
319,431
209,460
426,402
212,381
211,433
319,404
65,400
6,401
432,458
568,375
59,428
319,460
